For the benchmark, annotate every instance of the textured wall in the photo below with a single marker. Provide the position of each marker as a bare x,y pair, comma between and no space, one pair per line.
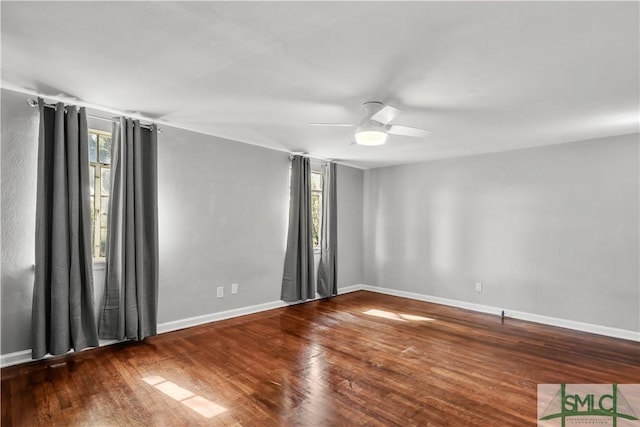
550,231
18,195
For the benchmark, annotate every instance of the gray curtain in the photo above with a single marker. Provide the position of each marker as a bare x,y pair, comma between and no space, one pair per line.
297,279
63,310
328,267
131,289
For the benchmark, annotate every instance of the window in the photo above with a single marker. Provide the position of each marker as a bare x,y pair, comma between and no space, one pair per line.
100,180
316,207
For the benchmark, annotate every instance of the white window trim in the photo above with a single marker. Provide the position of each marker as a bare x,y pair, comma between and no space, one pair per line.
99,264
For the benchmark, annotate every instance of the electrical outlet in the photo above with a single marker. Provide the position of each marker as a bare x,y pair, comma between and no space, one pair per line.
220,291
234,288
478,286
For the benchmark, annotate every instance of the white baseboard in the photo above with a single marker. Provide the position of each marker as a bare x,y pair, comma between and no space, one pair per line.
215,317
16,358
242,311
24,356
353,288
521,315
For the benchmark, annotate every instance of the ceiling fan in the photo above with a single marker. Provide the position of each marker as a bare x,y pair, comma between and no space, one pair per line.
376,125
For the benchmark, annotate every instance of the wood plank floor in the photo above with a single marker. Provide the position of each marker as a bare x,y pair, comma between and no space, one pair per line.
358,359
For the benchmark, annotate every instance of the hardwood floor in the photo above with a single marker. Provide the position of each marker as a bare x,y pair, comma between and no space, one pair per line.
358,359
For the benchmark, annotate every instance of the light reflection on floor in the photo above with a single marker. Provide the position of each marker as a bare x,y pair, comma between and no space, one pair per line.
199,404
397,316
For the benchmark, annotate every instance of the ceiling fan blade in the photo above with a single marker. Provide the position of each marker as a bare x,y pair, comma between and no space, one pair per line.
408,131
386,114
332,124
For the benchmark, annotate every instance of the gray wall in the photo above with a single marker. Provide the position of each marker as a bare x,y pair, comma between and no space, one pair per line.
350,262
223,212
551,231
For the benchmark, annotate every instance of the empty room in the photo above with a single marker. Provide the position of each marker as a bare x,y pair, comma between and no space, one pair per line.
235,213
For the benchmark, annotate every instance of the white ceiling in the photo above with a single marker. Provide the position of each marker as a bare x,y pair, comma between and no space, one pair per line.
482,76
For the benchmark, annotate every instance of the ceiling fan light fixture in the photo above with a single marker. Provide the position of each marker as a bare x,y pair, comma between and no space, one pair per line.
370,137
376,125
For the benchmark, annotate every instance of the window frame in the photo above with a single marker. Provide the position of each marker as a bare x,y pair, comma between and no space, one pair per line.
97,225
320,194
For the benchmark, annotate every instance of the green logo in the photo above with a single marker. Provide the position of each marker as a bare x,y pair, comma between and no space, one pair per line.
587,403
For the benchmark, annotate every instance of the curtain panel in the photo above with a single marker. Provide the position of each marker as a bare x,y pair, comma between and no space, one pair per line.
63,309
131,278
297,279
328,266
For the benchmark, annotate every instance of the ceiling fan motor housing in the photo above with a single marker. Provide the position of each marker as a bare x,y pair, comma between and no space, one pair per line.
370,109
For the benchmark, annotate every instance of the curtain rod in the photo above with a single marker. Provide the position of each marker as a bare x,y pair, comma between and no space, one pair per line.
33,103
322,159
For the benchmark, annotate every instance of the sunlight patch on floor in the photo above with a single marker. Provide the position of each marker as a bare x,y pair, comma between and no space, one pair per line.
397,316
196,403
174,391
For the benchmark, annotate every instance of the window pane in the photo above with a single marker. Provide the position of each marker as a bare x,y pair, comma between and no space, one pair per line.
316,181
105,180
103,242
100,187
92,180
104,208
105,149
316,215
92,211
93,147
